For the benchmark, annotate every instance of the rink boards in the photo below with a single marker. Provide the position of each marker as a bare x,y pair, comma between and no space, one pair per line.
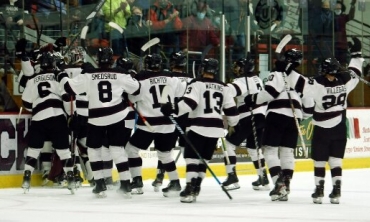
13,143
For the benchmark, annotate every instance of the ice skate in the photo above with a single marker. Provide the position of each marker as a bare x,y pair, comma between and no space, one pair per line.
157,183
109,183
45,180
335,194
26,181
262,183
137,185
125,189
231,182
287,188
71,183
173,189
60,181
187,195
279,190
319,193
100,188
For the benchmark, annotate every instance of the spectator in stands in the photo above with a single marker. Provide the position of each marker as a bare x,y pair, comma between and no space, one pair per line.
165,24
137,32
198,33
117,11
341,19
12,14
142,4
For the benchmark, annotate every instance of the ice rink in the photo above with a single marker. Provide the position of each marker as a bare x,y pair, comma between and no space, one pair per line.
56,204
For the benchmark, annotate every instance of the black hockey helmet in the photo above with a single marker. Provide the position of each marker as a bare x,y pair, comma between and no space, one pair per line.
243,66
105,55
47,60
153,61
293,55
125,63
178,59
330,66
210,66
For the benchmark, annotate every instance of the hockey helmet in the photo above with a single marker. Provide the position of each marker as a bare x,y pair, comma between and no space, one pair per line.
153,61
243,66
47,60
210,66
330,66
293,55
125,63
105,56
178,59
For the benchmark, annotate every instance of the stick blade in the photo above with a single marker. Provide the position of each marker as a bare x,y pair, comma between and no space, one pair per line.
149,44
116,27
283,43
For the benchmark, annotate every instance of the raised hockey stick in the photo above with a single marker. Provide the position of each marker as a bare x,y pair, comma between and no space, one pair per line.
204,54
141,116
145,47
83,38
88,19
278,50
120,30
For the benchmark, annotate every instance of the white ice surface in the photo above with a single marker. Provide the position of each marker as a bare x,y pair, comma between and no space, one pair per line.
55,204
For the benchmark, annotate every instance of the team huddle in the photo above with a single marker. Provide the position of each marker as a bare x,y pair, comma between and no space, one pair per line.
96,108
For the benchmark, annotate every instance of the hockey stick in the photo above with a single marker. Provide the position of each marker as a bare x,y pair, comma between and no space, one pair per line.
254,129
145,47
120,30
141,116
278,50
88,19
83,38
19,114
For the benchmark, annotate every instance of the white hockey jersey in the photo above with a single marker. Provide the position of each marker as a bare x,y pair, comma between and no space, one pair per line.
104,88
239,90
148,102
42,97
81,103
206,100
275,93
330,97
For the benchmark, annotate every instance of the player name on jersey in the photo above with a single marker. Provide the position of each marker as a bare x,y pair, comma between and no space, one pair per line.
214,86
44,77
104,76
158,80
336,89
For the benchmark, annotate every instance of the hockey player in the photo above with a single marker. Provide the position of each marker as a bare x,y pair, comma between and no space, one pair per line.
330,92
78,119
177,64
42,97
205,99
104,87
153,80
243,71
126,65
280,134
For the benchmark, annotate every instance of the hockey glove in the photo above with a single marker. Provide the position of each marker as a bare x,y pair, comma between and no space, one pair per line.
250,101
167,109
20,48
355,48
61,65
